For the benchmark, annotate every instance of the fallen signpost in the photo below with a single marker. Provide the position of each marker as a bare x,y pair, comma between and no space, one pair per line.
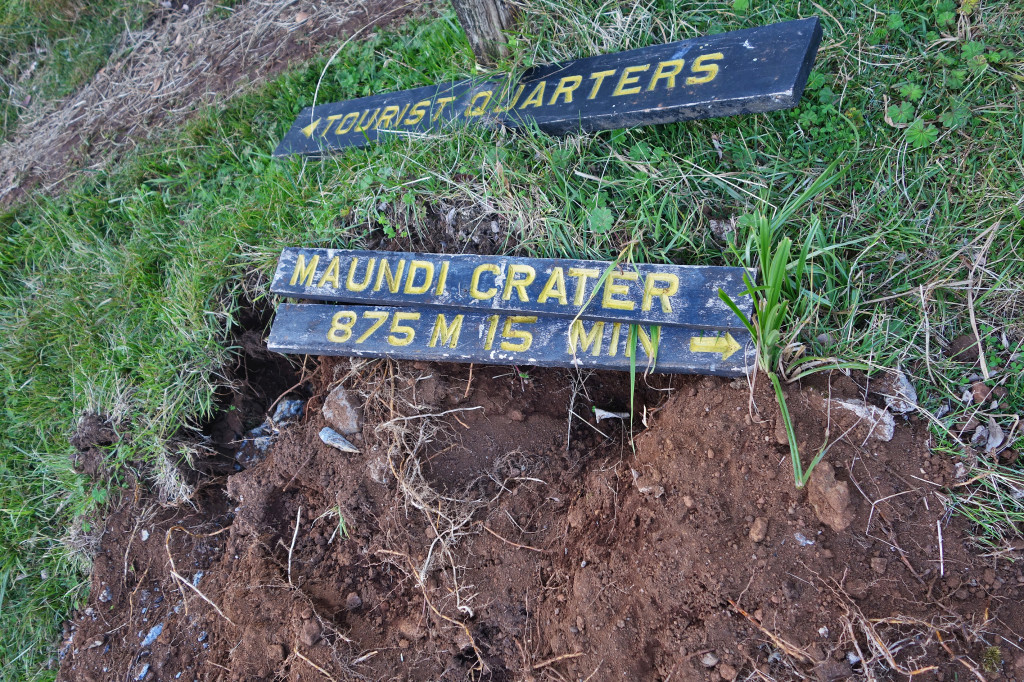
740,72
512,311
505,339
684,295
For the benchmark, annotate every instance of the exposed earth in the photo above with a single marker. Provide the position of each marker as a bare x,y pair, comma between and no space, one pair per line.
488,526
499,540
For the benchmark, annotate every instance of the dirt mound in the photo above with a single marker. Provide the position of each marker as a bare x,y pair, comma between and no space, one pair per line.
512,537
93,434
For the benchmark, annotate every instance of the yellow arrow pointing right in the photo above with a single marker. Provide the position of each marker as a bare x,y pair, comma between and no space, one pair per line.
726,345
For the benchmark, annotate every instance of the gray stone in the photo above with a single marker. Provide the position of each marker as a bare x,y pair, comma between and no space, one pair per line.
342,412
336,440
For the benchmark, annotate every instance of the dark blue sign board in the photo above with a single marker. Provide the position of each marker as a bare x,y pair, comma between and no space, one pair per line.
739,72
678,295
505,339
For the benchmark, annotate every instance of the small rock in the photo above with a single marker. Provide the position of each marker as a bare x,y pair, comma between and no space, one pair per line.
900,397
276,652
709,660
336,440
857,588
832,671
341,412
688,501
980,392
964,348
353,601
831,499
759,530
515,415
803,540
727,672
967,425
144,534
877,422
105,595
153,633
310,633
288,412
379,469
463,640
647,486
781,437
878,565
301,17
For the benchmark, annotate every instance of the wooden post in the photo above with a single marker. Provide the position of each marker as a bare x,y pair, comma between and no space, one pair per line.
483,21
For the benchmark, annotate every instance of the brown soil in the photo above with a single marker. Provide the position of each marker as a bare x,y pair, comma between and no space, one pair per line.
189,55
483,545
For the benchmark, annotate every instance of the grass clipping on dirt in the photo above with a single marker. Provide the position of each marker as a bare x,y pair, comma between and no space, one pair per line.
118,297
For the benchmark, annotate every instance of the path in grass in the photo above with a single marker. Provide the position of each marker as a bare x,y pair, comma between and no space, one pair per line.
180,61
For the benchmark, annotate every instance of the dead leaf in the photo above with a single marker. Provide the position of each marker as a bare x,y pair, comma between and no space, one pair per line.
996,437
301,17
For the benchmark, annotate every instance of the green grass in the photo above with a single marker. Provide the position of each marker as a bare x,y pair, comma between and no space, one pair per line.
50,48
117,296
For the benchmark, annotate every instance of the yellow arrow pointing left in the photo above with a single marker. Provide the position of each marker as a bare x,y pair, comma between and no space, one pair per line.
726,345
308,130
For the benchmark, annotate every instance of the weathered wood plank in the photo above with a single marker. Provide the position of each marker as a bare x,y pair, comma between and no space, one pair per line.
740,72
656,294
503,339
484,22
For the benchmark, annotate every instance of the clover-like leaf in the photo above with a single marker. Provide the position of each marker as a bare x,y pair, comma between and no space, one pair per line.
957,116
921,134
901,113
600,219
912,91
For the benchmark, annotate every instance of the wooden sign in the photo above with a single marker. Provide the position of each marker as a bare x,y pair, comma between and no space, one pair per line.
676,295
740,72
505,339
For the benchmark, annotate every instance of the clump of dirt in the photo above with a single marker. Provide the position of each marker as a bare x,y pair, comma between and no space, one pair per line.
93,435
187,56
491,528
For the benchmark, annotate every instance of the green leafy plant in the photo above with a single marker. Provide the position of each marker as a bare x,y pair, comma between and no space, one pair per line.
781,304
901,113
921,134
